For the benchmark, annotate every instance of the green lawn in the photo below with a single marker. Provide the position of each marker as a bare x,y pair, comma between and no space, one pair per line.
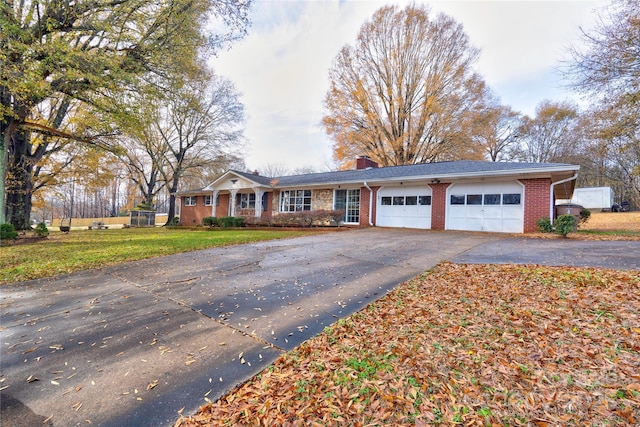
80,250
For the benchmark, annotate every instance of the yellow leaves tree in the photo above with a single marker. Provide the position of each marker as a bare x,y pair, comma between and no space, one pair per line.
405,93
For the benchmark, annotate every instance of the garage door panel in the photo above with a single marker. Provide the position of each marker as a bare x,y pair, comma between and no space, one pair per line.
411,215
491,214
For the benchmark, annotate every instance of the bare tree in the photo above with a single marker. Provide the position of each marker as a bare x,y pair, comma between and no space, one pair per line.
550,136
608,71
495,130
200,122
274,169
405,92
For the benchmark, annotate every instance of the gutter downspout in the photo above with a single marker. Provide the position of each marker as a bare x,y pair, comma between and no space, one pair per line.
551,204
370,202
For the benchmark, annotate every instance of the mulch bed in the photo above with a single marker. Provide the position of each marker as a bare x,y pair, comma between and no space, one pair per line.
462,345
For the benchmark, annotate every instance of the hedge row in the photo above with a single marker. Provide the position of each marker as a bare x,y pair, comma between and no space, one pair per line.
288,219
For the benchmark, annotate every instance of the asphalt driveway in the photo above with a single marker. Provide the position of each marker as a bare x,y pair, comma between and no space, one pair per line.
137,343
619,255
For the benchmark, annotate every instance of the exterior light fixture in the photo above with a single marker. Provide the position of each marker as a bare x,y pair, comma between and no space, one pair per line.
435,181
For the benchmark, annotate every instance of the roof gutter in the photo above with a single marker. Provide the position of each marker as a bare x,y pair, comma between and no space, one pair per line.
370,202
551,206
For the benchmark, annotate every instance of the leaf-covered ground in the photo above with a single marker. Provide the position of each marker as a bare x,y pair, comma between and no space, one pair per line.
466,345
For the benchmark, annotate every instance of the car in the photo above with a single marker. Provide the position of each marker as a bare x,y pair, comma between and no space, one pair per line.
622,207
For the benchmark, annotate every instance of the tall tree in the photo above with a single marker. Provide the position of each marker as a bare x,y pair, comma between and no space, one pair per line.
549,136
92,53
405,92
608,72
495,130
199,123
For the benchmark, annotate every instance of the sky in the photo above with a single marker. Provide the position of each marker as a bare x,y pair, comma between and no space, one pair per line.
281,67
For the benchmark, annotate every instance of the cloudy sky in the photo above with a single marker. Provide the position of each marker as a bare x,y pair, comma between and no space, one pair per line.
281,66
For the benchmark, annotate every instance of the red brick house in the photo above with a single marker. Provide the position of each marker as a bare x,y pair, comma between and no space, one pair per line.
458,195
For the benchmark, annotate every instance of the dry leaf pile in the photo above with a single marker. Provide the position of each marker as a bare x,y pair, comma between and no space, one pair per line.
462,345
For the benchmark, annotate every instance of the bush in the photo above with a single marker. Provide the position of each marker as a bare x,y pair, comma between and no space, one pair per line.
544,225
308,218
566,224
41,230
229,221
585,214
210,221
8,232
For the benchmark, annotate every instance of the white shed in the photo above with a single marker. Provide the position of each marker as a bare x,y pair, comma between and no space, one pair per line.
593,198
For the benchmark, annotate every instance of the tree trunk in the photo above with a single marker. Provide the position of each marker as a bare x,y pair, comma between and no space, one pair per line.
19,185
172,209
172,199
3,174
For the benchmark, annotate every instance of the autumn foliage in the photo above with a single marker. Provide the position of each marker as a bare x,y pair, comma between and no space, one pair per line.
462,345
405,92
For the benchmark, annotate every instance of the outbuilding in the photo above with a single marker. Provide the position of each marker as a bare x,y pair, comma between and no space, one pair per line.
468,195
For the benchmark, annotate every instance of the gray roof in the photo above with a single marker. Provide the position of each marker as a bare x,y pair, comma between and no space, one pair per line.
425,170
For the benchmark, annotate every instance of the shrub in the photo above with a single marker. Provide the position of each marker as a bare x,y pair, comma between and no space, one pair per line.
544,225
41,230
230,221
308,218
585,214
8,231
566,224
174,222
210,221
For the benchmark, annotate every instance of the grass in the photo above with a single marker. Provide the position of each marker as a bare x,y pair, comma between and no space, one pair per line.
80,250
614,222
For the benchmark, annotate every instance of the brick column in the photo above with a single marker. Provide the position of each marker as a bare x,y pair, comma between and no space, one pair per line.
536,202
364,207
438,205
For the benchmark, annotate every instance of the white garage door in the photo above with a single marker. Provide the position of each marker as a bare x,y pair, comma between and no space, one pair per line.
408,207
497,207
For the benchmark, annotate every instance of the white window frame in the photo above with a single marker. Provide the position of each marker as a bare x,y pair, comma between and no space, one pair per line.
207,200
351,213
190,200
246,201
295,200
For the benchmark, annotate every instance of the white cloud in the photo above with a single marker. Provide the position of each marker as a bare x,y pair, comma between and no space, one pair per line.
281,67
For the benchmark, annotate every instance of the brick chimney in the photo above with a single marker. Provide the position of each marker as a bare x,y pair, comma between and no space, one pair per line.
364,162
255,172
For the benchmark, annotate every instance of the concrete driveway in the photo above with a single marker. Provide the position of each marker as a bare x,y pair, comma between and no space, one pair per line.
137,343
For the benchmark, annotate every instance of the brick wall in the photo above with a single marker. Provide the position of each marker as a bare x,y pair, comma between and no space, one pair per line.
193,215
438,205
223,205
536,201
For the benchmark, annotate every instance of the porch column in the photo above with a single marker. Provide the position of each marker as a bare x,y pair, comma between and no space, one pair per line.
232,202
257,211
214,202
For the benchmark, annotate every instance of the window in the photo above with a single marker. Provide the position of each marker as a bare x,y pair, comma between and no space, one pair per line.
411,200
207,200
492,199
424,200
474,199
386,201
511,199
295,201
457,199
348,201
398,200
246,201
190,200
